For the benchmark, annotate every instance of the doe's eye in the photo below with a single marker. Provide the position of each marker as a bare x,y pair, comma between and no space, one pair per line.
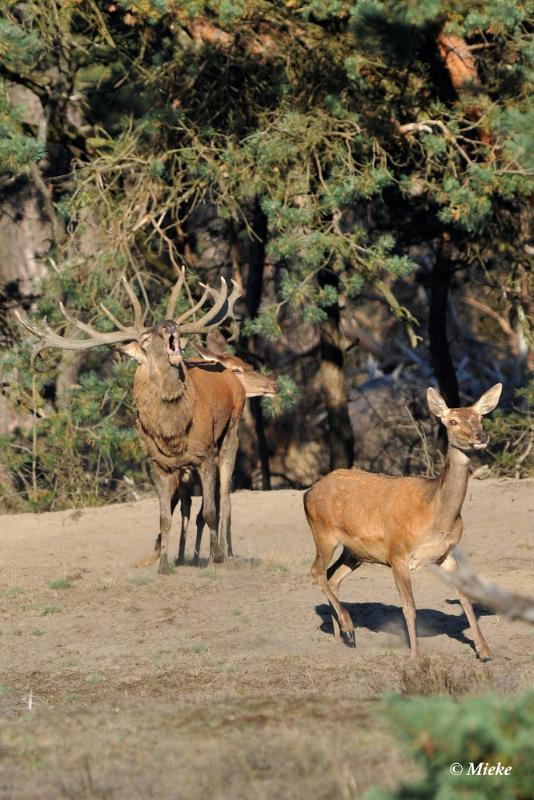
453,422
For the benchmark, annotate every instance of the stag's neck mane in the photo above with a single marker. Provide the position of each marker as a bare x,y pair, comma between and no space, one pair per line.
165,400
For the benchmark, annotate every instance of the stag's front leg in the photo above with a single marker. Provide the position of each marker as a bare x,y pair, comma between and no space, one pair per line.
227,456
166,484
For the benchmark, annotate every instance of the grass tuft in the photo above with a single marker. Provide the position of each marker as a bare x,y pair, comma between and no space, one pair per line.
430,676
60,583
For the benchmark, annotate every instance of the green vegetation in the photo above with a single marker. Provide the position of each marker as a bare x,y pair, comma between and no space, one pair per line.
60,583
335,153
485,730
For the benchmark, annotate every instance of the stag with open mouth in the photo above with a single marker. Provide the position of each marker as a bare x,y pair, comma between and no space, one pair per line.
187,416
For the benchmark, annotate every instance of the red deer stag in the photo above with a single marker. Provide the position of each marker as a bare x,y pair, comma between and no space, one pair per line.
187,415
255,384
402,523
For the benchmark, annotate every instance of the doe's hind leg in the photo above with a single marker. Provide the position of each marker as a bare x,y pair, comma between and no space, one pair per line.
325,551
345,564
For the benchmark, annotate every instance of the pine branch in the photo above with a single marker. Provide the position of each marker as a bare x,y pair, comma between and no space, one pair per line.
42,90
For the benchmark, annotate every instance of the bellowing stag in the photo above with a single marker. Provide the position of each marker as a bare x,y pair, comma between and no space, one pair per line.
187,415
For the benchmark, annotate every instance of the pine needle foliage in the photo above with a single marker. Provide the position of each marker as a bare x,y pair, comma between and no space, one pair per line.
481,729
346,123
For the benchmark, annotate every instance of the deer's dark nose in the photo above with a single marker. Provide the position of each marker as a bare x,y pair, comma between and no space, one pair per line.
168,326
276,387
482,437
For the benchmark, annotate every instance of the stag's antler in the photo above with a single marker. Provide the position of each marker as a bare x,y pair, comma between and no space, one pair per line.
50,338
222,309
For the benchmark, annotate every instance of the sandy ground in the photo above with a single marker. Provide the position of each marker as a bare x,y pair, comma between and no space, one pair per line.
225,682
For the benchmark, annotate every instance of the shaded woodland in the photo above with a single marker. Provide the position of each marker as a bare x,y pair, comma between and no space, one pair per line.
362,170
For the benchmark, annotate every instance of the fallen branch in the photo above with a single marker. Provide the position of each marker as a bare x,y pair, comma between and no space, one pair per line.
509,604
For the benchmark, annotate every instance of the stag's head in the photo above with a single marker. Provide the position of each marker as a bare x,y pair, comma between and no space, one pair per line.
464,425
158,346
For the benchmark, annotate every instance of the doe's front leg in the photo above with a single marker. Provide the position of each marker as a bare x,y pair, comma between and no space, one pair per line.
403,580
481,646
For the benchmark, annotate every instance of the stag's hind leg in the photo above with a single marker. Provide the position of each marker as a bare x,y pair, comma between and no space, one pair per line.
481,646
227,456
184,493
208,479
200,530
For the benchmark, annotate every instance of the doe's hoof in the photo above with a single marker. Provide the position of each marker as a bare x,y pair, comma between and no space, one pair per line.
348,638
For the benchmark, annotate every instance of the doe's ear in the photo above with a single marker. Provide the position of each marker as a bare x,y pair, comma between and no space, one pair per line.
134,350
216,342
489,400
436,403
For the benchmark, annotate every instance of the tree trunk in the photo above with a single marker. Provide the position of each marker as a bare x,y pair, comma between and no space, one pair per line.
340,435
437,329
254,289
68,372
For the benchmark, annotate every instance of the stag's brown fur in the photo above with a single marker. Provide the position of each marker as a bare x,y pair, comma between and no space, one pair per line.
181,417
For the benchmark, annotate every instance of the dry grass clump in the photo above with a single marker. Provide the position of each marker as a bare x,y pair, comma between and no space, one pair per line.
437,675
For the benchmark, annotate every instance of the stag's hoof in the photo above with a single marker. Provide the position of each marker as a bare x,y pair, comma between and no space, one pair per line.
164,567
484,657
348,638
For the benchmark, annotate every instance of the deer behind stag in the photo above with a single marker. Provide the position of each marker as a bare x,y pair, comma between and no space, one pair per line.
255,384
187,415
402,523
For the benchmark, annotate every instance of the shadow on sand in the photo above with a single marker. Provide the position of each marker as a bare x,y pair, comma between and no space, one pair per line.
379,617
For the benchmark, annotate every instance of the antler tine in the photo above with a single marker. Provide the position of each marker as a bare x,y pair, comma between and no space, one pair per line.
199,325
136,305
50,338
177,288
221,310
82,326
36,349
195,308
113,318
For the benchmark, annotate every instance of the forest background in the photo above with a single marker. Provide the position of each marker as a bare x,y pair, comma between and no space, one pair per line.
361,169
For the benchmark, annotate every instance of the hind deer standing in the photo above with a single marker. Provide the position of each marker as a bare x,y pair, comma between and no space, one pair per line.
187,415
255,384
402,523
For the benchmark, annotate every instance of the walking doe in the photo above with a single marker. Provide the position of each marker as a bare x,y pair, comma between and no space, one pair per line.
402,523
